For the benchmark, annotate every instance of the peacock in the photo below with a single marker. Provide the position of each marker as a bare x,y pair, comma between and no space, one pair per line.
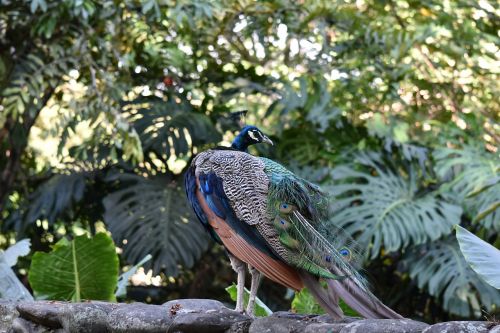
274,221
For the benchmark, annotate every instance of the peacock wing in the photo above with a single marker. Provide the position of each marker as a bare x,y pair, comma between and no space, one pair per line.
231,192
242,180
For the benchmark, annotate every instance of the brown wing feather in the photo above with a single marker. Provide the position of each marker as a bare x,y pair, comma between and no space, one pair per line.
273,269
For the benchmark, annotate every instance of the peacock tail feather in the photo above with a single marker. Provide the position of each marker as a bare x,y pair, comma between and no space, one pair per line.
299,213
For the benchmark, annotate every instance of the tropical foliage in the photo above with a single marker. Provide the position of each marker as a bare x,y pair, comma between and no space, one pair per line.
261,310
481,256
391,105
83,268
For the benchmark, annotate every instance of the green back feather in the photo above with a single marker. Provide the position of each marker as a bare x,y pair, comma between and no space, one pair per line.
299,215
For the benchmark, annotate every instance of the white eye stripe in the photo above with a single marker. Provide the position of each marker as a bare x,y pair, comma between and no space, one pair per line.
252,135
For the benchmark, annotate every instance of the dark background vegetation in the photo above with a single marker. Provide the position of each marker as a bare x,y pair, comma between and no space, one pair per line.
392,106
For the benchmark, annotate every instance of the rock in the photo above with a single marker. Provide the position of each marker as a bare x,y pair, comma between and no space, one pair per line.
44,313
198,315
20,325
139,317
191,315
326,324
460,327
278,325
191,305
324,328
8,313
495,329
240,327
385,326
211,322
86,317
291,315
328,319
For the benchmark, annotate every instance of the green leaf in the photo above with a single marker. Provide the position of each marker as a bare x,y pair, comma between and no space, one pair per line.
492,208
3,72
304,303
83,268
441,268
385,204
481,256
148,5
472,177
51,199
261,309
38,3
50,26
377,127
487,184
166,127
154,209
401,132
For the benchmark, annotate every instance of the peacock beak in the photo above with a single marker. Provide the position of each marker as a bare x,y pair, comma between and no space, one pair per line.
265,139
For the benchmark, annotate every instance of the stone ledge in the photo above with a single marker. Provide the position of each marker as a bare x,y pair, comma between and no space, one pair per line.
198,315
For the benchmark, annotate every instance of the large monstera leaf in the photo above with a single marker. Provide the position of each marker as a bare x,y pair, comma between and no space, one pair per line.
441,268
473,177
55,197
169,126
383,206
482,257
151,216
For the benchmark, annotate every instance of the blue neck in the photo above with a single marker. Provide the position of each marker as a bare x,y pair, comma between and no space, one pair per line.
240,143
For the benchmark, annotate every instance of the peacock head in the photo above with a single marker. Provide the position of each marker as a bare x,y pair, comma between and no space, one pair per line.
249,135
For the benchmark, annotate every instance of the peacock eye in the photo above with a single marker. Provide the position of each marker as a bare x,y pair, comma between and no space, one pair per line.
281,224
285,208
328,258
345,253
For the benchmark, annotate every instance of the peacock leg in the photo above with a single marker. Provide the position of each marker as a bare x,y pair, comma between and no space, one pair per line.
239,267
256,277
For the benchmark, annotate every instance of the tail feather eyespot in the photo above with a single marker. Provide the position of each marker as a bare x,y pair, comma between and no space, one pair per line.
281,223
346,253
285,208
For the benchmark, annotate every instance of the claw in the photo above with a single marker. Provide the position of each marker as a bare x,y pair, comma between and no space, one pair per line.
251,314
